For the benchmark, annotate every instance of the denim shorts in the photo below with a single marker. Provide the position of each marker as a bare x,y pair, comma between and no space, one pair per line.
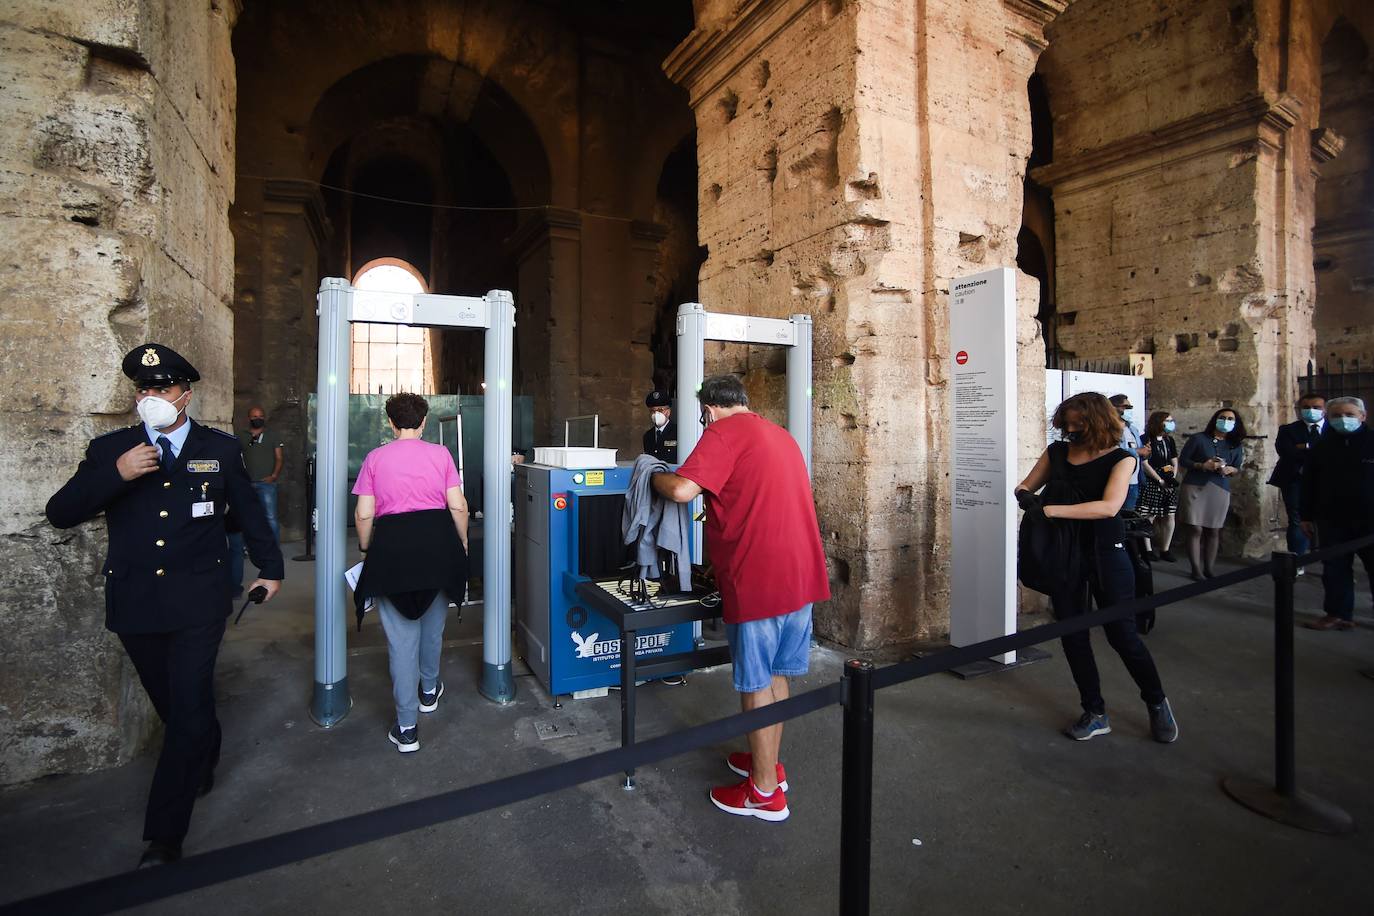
772,646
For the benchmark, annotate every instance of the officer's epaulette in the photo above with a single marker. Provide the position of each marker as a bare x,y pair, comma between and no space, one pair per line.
219,432
122,429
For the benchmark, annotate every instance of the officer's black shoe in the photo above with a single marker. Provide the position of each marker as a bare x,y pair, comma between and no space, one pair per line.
208,782
159,853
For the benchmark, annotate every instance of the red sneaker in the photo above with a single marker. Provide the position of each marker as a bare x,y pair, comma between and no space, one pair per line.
742,764
745,799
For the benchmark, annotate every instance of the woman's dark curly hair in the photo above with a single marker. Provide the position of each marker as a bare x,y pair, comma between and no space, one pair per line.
1102,425
406,410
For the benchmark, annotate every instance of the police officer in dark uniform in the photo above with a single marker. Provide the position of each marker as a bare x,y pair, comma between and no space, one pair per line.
660,440
164,486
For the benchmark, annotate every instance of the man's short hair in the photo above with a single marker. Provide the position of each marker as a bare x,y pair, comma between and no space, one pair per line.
1340,402
723,391
1118,399
1310,396
406,410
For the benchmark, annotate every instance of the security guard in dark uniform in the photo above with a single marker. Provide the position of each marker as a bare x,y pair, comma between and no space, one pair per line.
660,440
164,486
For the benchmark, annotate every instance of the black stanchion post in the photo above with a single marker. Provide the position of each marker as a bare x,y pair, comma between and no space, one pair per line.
856,788
1283,801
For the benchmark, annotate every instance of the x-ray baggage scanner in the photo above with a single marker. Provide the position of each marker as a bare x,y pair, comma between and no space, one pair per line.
568,531
338,306
695,326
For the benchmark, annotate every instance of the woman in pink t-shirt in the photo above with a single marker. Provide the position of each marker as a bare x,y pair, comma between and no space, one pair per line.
413,524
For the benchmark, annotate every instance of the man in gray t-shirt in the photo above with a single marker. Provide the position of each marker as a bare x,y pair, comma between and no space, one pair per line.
263,455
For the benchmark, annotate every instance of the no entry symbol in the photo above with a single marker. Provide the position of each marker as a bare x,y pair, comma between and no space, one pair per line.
961,357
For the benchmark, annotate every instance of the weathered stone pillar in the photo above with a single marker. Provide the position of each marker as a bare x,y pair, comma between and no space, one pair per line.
854,157
1183,195
275,328
117,157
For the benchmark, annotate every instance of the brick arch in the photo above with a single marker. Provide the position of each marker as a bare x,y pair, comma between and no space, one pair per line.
392,262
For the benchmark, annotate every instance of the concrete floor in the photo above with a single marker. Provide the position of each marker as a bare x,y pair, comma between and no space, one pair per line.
1010,816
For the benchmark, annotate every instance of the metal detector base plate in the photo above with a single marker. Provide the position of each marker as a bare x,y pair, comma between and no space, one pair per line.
983,667
1306,812
498,684
330,703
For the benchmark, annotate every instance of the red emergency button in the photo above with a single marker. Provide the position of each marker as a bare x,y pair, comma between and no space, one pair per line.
560,502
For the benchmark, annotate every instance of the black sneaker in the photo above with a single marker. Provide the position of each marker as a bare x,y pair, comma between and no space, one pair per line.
429,699
1163,728
1089,726
407,740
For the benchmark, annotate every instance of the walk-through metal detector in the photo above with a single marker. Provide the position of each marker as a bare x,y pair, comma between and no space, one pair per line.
338,306
695,326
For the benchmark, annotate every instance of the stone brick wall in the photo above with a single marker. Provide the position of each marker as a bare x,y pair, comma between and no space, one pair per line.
115,170
853,159
1183,184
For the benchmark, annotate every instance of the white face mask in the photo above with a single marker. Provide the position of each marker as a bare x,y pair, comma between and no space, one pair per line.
157,413
659,420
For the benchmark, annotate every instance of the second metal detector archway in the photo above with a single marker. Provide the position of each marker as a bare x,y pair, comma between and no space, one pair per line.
340,305
695,326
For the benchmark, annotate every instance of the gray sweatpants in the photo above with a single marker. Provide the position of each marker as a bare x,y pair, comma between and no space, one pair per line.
414,647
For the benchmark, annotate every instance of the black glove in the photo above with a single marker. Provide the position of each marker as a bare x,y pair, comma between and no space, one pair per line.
1027,500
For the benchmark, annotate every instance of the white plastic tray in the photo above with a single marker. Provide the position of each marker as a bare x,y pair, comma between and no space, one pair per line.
575,456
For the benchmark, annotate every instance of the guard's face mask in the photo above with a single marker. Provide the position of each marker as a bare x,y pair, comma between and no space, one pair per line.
659,419
1311,414
257,422
1346,425
159,413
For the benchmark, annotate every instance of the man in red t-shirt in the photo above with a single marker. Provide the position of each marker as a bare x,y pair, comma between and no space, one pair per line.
765,546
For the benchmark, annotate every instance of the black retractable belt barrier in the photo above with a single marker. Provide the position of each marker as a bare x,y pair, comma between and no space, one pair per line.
133,888
856,789
1282,801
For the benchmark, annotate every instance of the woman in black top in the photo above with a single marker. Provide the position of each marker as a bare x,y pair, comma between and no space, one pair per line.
1089,474
1159,488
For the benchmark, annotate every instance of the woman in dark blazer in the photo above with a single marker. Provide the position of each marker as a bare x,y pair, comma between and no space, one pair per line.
1209,460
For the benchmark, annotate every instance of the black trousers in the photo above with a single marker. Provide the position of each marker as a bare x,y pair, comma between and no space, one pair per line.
178,672
1111,582
1338,573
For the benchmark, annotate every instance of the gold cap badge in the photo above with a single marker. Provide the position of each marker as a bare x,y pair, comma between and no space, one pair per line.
150,357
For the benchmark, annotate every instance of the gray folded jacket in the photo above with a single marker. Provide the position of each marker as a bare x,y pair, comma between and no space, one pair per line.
653,523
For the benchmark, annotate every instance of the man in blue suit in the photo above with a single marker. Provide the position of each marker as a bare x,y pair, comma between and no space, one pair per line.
164,486
1294,443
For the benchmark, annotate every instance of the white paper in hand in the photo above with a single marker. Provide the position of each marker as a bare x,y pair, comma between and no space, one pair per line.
351,576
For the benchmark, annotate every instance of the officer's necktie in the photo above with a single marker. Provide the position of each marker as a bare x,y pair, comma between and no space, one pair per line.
167,457
1312,434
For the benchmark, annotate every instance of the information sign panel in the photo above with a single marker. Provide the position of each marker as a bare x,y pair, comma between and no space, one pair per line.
982,330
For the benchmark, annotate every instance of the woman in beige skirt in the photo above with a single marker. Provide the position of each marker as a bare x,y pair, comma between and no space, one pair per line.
1209,459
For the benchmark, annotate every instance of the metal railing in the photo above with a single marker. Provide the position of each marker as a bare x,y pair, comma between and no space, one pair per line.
1282,800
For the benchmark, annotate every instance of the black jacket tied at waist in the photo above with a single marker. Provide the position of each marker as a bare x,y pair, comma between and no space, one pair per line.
413,556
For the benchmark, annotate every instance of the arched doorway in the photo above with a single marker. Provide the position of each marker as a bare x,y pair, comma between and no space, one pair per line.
388,358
